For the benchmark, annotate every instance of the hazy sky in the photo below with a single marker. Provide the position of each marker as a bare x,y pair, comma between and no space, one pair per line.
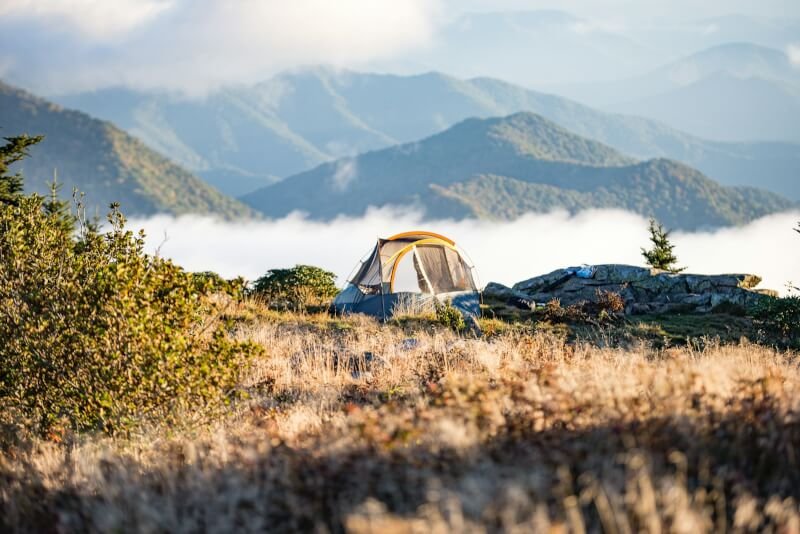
54,46
640,9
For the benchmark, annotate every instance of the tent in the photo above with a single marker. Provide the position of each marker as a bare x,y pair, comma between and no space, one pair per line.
407,270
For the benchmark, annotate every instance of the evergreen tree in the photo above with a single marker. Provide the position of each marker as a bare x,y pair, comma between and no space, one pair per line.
12,185
16,148
661,256
798,231
57,208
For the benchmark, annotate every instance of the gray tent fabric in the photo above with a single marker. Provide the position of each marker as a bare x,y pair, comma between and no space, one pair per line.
441,273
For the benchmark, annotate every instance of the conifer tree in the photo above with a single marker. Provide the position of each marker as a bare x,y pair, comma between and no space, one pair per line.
661,256
16,148
12,185
796,288
57,208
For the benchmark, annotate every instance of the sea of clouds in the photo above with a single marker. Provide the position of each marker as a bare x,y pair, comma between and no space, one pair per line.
505,252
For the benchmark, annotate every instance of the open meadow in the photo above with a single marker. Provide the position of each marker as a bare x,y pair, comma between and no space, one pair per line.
350,425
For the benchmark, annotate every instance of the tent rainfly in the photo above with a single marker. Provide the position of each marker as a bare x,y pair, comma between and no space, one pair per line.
409,270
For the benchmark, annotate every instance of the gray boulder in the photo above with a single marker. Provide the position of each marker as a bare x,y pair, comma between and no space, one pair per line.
644,290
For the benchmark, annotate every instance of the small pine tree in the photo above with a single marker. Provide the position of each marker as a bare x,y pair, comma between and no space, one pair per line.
661,256
796,288
16,148
57,208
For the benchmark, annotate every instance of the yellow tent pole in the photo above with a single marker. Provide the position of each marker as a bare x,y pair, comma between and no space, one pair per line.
421,232
397,256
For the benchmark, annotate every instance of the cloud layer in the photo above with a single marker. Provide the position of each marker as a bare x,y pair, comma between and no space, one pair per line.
793,53
503,252
196,45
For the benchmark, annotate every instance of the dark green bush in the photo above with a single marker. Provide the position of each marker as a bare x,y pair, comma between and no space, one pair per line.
97,335
296,288
780,318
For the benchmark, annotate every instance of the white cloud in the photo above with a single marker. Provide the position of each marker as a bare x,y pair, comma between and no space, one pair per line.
505,252
196,45
793,52
346,172
100,19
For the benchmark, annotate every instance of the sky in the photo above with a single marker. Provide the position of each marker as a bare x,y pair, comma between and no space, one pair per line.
61,46
196,46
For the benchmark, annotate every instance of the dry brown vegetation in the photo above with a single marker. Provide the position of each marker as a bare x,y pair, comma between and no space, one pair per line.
355,426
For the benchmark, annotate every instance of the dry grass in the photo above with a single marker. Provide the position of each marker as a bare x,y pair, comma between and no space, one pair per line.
353,426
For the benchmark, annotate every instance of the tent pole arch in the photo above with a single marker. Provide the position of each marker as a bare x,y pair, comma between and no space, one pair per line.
421,232
398,256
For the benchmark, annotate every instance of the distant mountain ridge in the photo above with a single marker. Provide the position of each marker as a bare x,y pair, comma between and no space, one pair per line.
240,139
500,168
105,163
736,92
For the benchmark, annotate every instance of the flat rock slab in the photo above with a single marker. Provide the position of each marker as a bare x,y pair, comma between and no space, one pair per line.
643,290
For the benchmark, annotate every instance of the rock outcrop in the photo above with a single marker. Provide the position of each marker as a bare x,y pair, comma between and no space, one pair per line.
643,290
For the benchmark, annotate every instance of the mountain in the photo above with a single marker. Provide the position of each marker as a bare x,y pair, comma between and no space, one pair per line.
684,37
105,163
731,92
728,108
503,167
240,138
538,48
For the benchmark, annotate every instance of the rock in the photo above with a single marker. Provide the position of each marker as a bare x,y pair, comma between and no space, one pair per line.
643,290
500,292
517,299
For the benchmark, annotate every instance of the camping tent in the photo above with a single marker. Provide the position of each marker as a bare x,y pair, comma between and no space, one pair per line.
408,270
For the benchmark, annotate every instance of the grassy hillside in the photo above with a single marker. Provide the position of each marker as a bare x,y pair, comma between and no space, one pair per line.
104,162
241,138
503,167
360,427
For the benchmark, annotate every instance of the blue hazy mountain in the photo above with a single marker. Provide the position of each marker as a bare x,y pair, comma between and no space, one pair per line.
731,92
242,138
501,168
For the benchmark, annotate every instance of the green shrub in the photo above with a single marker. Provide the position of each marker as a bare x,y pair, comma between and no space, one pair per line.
780,318
449,316
97,335
211,282
297,288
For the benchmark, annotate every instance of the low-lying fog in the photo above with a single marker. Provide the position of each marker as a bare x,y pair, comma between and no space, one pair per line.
505,252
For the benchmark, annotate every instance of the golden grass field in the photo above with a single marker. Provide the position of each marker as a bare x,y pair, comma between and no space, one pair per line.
359,427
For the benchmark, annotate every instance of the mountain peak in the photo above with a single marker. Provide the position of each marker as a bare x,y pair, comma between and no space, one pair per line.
532,135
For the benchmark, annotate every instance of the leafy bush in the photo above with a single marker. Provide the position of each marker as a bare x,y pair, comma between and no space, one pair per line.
211,282
781,318
297,288
449,316
97,335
